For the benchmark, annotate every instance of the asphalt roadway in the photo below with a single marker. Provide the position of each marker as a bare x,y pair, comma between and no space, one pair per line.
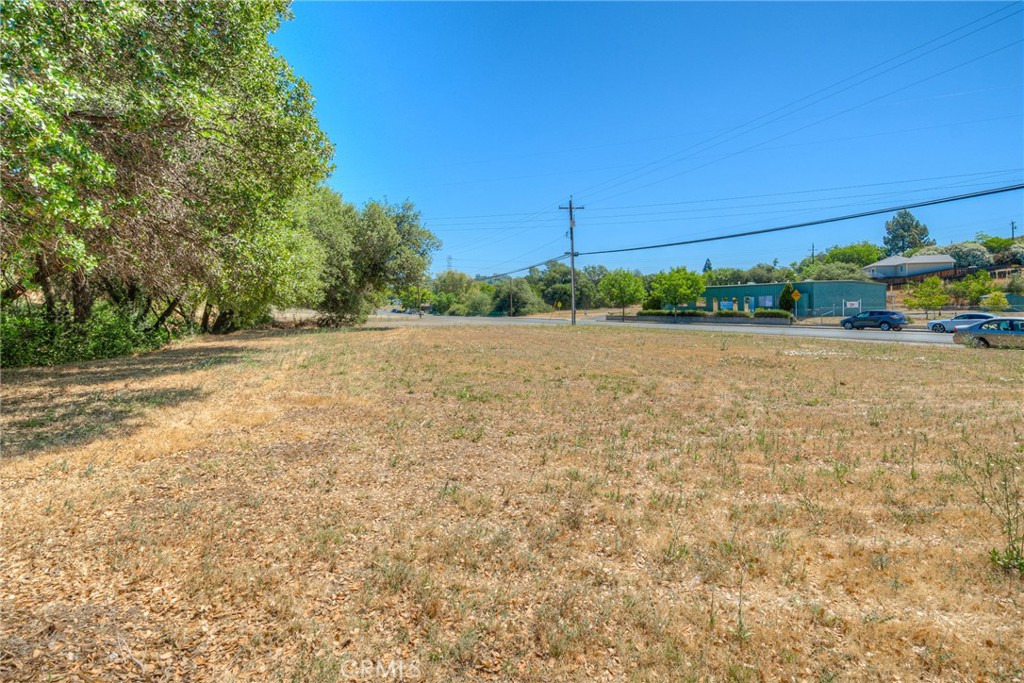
822,332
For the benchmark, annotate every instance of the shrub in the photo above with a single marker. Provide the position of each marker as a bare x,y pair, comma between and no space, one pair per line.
1017,252
733,314
786,300
997,480
996,302
772,313
684,313
27,338
1016,284
458,309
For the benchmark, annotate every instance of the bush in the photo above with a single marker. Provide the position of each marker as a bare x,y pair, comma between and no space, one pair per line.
997,480
684,313
733,314
27,338
652,303
772,313
458,309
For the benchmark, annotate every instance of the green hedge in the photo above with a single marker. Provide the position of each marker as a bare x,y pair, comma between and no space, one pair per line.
733,314
685,313
772,313
27,338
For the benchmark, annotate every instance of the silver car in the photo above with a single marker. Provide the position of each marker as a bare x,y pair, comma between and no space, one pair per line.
950,324
1005,332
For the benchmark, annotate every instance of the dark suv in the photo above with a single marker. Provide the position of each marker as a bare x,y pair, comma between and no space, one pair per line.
884,320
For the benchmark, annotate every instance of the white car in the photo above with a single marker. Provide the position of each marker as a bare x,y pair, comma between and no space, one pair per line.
962,320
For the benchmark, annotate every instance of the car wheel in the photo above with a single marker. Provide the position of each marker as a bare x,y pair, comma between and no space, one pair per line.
982,343
847,326
938,328
884,327
898,328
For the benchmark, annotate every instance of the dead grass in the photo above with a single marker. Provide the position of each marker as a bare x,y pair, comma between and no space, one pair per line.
507,503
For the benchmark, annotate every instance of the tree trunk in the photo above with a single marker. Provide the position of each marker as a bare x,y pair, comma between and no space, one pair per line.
225,322
81,296
163,316
204,326
42,277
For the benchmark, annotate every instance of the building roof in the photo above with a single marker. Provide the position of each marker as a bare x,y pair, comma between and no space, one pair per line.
796,283
903,260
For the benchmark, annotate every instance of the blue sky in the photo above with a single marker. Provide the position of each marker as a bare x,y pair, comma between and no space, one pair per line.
667,121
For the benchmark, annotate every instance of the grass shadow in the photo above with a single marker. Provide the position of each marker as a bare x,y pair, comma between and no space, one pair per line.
35,423
154,364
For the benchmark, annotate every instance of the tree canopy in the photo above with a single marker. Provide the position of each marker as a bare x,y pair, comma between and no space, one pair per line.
622,288
677,287
152,146
903,232
859,253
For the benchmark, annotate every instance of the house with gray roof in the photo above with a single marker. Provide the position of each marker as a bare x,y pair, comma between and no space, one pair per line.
902,266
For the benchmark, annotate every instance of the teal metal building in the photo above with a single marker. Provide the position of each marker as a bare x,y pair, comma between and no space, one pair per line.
824,298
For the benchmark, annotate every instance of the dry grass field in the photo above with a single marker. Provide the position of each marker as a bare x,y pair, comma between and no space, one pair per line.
508,503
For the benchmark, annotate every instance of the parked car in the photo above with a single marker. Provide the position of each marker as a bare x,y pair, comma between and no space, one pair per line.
884,320
1006,332
950,324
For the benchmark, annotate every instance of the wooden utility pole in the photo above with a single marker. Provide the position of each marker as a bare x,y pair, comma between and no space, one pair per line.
572,255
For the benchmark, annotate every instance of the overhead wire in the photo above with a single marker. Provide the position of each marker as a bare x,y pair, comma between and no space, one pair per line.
671,158
835,219
814,123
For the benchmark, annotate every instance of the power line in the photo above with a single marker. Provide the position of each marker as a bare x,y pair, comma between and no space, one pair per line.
823,189
503,225
519,270
836,219
670,159
819,121
611,219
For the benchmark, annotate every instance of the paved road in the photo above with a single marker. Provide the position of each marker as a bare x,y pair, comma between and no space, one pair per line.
904,336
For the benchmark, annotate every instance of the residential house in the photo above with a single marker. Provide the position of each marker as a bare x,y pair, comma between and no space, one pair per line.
901,266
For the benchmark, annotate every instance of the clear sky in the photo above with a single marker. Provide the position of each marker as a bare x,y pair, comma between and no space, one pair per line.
667,121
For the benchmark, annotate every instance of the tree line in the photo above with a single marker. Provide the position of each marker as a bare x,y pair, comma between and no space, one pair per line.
162,173
548,288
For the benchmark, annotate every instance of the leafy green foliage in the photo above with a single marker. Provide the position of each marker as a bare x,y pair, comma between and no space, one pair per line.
524,299
929,295
965,254
682,313
726,276
904,232
772,313
996,302
28,337
678,286
553,284
1017,252
834,271
366,253
973,288
858,253
622,288
994,244
155,149
1015,285
786,300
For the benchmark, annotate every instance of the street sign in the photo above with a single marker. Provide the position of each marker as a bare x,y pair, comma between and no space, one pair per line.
796,295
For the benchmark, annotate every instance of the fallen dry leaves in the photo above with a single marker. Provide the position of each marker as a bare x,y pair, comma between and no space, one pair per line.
506,503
